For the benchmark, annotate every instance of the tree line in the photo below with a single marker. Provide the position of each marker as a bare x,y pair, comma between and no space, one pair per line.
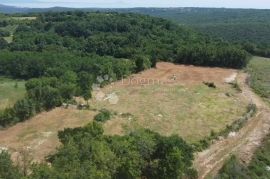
55,79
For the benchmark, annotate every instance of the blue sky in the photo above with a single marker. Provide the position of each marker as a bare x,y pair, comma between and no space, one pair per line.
263,4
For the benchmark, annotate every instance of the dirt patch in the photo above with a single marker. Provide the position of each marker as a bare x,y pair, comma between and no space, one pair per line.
39,134
168,73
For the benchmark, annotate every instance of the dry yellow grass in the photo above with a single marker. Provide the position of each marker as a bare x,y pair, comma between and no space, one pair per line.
184,107
39,134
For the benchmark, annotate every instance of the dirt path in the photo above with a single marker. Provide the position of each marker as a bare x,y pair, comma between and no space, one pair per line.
244,144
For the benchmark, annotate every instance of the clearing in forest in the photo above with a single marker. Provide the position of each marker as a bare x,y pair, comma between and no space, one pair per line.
10,91
177,103
173,99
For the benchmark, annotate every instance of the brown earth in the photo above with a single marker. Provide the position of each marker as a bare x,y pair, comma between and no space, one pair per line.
243,144
39,134
169,73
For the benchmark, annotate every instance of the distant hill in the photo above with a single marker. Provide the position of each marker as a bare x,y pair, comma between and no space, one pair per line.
12,9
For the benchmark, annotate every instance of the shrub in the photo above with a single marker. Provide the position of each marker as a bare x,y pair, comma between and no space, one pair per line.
210,84
103,116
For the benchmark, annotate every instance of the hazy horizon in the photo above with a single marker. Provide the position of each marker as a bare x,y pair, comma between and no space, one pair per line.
259,4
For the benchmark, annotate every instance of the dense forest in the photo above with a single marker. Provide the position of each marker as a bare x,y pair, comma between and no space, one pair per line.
247,27
124,36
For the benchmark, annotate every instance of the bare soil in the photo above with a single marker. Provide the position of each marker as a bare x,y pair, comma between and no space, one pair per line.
169,73
39,134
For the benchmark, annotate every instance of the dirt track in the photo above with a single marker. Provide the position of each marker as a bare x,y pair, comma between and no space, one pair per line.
244,144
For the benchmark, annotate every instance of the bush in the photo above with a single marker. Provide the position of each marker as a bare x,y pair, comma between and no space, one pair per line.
103,116
236,86
232,169
7,169
210,84
4,33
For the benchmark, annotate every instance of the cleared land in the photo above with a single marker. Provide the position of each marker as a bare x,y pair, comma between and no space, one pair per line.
38,135
172,99
10,91
178,104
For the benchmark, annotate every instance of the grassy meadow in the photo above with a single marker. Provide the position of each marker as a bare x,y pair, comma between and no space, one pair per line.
10,91
191,112
259,69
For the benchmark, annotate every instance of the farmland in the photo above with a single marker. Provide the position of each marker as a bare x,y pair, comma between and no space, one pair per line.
10,91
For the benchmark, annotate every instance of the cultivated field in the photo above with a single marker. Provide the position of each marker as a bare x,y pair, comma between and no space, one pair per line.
172,99
10,91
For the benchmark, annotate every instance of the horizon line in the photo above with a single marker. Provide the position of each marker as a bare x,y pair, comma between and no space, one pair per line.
131,7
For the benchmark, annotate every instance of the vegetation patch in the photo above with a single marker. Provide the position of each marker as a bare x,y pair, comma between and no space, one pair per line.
259,69
10,91
210,84
103,116
140,154
234,127
259,166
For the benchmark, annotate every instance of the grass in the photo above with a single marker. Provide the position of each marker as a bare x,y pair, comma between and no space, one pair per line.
24,18
10,91
258,167
191,112
259,68
11,29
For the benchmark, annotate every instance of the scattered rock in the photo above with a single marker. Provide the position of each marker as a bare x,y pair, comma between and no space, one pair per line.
47,134
232,134
3,149
231,78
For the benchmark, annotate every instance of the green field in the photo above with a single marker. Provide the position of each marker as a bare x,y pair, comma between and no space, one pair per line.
10,91
13,24
259,68
11,29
